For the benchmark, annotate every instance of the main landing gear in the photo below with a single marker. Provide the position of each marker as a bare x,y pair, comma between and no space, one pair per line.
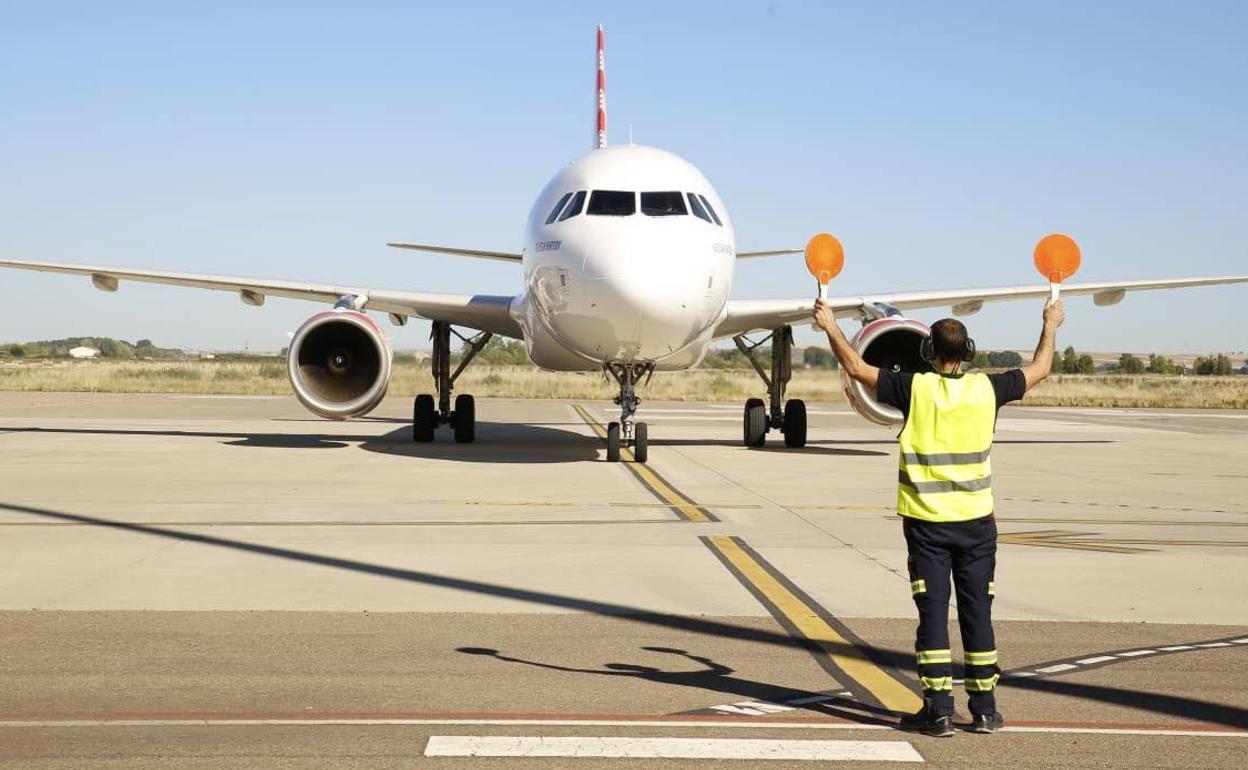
426,416
789,417
626,432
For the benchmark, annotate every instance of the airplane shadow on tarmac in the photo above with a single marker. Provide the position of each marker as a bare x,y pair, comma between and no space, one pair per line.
1180,706
497,442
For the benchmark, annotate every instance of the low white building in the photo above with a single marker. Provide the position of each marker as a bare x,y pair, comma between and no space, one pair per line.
84,352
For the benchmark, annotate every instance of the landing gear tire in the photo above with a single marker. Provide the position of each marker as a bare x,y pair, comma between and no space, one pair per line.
424,418
641,443
795,423
613,442
465,419
755,423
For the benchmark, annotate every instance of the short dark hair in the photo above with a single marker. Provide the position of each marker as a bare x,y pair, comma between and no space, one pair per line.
949,339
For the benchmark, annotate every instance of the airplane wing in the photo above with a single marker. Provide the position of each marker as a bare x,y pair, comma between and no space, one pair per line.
484,312
743,315
504,256
772,253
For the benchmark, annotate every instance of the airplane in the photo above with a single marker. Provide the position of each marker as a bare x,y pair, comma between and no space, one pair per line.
628,264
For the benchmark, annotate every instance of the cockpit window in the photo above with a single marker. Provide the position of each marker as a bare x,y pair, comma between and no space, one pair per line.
558,207
663,204
695,206
574,208
711,210
612,203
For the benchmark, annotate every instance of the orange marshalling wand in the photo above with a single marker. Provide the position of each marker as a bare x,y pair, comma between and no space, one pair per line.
824,259
1057,258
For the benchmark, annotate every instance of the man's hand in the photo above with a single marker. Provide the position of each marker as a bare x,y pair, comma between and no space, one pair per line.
824,317
1054,314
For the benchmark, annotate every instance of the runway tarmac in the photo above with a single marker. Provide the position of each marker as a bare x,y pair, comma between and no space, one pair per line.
223,581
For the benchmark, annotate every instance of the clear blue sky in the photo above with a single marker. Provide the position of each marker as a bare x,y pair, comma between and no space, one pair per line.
939,141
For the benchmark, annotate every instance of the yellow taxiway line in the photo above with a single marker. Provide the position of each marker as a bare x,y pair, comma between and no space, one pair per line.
683,506
842,653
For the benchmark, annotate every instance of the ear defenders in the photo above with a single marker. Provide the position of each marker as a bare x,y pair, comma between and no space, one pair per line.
927,350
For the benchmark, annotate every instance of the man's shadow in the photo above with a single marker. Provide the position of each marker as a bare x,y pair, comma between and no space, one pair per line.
717,677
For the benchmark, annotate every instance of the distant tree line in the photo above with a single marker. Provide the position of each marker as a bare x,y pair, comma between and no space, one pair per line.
1214,365
996,359
501,352
108,347
819,358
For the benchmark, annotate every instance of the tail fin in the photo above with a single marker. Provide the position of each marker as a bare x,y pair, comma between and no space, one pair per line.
600,135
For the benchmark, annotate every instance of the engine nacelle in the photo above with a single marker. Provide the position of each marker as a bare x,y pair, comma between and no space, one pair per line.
339,363
889,343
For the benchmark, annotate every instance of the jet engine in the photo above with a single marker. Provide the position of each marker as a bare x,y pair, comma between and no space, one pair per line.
339,363
889,343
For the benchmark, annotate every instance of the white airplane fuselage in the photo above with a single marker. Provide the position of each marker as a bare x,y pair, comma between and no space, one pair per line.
636,288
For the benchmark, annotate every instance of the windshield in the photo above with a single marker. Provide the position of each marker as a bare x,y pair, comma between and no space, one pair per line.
662,204
612,203
710,210
558,207
574,207
698,210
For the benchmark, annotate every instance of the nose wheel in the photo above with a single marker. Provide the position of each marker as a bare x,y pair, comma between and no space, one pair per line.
627,433
639,444
788,417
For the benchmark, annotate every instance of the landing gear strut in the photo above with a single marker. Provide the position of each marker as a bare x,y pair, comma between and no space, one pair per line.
626,432
426,416
789,417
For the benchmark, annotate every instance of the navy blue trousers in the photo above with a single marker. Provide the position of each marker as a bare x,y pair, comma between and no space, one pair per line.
967,552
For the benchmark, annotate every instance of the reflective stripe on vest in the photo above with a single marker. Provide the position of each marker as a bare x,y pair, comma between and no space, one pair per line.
946,473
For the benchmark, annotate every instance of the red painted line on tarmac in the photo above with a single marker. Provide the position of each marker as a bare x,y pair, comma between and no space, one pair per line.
675,719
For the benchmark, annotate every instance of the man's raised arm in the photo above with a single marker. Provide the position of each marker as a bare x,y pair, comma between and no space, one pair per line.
1042,362
851,362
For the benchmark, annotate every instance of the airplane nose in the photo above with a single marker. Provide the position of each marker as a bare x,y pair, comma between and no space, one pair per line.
652,299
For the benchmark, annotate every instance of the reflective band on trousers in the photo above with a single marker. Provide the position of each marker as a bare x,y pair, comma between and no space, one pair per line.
946,458
936,682
932,487
918,586
934,656
982,685
992,588
988,658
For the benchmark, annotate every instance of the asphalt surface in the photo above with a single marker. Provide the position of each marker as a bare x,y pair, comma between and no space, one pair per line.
212,582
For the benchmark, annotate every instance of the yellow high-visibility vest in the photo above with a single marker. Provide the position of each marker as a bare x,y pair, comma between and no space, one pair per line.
945,470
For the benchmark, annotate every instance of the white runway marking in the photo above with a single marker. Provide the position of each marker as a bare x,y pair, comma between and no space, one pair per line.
1041,425
669,724
1100,659
224,398
1147,413
1057,668
691,414
668,748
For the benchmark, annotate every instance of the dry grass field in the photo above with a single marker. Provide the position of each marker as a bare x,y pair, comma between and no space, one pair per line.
268,377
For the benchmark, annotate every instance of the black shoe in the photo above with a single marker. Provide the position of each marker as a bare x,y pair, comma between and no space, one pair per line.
929,723
987,724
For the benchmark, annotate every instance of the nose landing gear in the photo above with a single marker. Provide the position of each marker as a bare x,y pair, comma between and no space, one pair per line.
626,433
789,417
426,417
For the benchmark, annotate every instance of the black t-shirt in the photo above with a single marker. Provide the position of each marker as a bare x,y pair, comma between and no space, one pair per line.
893,388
